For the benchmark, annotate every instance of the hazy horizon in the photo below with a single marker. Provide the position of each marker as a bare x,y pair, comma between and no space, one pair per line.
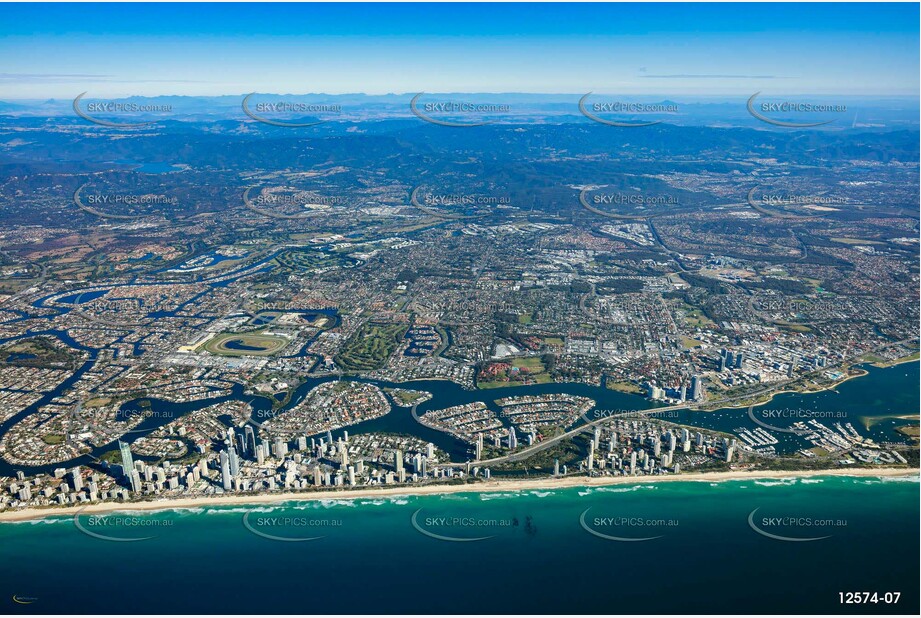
628,49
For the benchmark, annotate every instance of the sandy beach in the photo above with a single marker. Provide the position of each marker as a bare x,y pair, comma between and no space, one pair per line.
484,487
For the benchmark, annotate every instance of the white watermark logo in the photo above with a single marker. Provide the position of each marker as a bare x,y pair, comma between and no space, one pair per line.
450,524
116,107
625,199
429,203
620,107
787,107
261,524
260,202
455,107
95,524
90,202
761,204
624,524
761,525
286,107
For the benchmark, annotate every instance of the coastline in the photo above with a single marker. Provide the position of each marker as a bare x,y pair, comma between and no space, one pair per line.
830,387
911,358
487,487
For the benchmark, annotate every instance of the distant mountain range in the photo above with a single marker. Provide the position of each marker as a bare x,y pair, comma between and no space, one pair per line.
863,113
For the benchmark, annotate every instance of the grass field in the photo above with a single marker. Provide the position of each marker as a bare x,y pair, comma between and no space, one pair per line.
695,317
309,260
370,347
36,352
625,387
531,363
536,374
246,344
880,362
406,397
690,343
540,378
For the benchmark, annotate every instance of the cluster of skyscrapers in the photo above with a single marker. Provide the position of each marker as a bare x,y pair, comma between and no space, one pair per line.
731,360
648,448
658,393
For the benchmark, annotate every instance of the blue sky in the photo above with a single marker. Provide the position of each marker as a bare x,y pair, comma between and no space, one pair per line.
670,49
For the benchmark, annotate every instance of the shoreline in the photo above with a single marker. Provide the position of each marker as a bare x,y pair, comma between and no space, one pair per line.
164,504
911,358
830,387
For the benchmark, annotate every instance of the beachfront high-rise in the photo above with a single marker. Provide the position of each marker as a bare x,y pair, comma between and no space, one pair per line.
234,460
225,471
127,460
76,478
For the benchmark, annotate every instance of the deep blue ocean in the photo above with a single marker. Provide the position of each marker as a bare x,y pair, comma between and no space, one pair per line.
537,552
